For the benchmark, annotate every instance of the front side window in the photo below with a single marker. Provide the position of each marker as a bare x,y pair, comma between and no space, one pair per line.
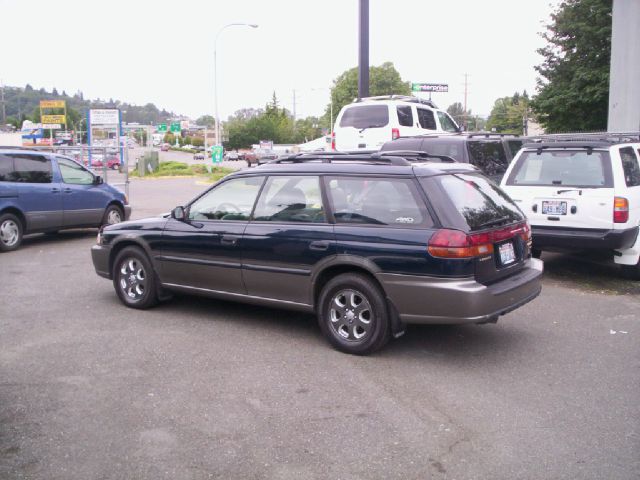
630,167
377,201
426,119
447,123
231,200
479,201
73,173
32,168
291,199
574,168
488,156
405,116
365,116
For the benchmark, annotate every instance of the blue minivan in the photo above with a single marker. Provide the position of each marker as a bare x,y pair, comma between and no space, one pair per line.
45,192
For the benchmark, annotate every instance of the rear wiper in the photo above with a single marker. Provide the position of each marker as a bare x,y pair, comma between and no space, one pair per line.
570,190
491,223
370,126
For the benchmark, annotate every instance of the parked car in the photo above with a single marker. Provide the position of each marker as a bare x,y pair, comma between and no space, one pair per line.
370,122
251,158
490,152
165,147
46,192
369,244
113,162
232,156
581,192
199,156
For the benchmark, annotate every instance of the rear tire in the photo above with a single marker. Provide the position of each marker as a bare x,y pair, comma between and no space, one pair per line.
134,279
353,314
11,232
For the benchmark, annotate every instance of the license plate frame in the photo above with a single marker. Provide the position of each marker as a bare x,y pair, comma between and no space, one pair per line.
507,253
554,207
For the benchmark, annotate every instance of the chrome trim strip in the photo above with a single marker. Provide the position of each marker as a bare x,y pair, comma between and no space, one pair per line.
266,268
197,261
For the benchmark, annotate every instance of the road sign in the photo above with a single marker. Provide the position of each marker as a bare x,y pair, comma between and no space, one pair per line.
429,87
175,127
162,127
216,154
51,126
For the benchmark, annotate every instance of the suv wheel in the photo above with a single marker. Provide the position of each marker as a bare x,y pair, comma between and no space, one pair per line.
10,232
112,215
134,279
353,314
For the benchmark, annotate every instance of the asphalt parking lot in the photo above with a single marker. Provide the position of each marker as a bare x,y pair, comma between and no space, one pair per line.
198,388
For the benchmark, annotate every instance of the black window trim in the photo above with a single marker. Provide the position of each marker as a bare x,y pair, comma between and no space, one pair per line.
23,154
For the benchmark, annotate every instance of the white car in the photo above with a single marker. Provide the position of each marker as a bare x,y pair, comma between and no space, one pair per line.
581,193
370,122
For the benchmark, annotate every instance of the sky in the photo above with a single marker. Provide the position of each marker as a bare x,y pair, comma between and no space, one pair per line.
142,51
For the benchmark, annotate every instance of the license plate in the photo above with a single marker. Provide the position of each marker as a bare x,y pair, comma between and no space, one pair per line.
507,253
554,207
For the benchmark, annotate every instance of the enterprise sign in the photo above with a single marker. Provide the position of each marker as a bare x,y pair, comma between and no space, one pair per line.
429,87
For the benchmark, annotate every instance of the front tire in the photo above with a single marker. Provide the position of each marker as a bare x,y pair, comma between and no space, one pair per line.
353,314
112,215
134,279
10,232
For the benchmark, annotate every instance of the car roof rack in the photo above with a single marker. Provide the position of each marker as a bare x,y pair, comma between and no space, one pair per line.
404,98
419,154
591,137
395,157
490,134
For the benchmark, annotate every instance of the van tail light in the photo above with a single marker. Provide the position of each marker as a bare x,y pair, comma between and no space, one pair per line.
395,133
333,140
447,243
620,210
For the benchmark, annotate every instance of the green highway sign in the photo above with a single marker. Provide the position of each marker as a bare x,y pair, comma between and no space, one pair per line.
162,127
175,127
216,153
429,87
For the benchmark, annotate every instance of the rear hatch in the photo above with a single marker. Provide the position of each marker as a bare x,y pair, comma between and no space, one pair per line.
363,127
479,221
564,188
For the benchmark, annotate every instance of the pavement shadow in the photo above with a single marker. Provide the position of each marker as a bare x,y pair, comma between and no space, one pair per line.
38,239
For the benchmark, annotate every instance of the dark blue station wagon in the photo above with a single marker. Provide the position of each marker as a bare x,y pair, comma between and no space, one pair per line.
45,192
367,242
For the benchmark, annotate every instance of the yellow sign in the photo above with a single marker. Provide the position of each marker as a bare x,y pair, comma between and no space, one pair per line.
52,104
54,119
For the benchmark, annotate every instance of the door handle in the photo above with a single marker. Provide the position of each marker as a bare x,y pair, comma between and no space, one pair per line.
319,245
55,190
67,190
229,240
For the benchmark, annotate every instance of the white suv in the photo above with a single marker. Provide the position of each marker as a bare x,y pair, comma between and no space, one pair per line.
581,193
370,122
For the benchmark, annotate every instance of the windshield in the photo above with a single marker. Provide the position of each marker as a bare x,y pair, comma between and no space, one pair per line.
575,168
479,201
366,116
447,123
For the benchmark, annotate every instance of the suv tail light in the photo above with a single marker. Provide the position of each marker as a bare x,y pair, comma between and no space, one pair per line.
395,133
620,210
333,140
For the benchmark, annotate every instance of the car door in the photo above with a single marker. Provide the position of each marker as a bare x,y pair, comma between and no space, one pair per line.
38,191
83,200
287,238
203,251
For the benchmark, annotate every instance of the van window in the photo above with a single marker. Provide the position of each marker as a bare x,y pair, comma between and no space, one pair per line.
405,116
365,116
32,168
6,169
574,168
488,157
446,122
426,119
630,167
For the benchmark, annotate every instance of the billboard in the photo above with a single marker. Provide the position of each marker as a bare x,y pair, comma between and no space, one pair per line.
52,104
100,116
53,119
429,87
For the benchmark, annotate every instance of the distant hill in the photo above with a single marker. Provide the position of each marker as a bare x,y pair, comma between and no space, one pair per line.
22,104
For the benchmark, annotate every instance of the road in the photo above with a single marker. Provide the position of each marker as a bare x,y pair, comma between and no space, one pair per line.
198,389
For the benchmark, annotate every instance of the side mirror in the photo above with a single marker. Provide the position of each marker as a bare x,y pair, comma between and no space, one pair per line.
97,180
179,214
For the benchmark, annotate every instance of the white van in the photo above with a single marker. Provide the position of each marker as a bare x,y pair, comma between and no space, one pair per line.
370,122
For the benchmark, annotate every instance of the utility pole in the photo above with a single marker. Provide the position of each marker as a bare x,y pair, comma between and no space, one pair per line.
363,51
294,106
4,112
466,89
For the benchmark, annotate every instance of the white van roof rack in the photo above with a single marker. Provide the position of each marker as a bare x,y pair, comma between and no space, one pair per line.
608,137
404,98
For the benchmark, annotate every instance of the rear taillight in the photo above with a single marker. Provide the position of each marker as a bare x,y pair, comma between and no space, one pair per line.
456,244
333,140
395,133
620,210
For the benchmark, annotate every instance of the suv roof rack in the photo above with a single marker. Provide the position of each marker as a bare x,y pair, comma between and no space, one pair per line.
404,98
489,134
603,137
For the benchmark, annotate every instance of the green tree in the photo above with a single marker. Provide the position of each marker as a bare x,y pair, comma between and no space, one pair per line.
573,87
508,114
383,80
462,117
206,121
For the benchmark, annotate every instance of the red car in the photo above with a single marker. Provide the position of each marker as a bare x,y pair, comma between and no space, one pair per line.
112,162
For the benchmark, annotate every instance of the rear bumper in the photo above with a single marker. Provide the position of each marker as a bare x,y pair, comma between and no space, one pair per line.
420,299
100,257
576,239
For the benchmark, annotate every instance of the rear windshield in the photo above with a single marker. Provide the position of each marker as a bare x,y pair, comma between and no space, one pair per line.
479,201
574,168
489,156
366,116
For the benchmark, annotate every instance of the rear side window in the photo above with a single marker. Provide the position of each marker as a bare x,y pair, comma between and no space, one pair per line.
447,124
426,119
630,167
488,157
574,168
377,201
479,201
366,116
405,116
32,168
514,146
453,149
6,169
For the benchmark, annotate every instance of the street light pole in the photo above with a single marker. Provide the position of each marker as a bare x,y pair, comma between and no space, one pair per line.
215,73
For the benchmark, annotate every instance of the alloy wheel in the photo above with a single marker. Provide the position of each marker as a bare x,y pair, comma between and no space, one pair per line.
351,315
132,279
